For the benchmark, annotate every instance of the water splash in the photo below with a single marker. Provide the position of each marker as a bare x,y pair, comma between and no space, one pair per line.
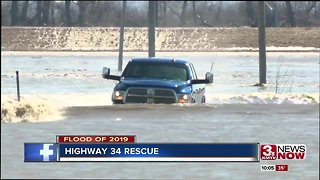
28,110
50,107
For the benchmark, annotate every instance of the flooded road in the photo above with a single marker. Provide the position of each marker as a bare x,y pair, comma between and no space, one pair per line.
236,112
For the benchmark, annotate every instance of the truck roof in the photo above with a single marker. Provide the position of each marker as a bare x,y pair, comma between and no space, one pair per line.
154,59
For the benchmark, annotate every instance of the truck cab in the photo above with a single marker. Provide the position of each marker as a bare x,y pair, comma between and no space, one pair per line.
158,81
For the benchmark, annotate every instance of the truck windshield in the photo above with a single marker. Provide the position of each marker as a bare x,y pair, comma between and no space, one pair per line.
156,70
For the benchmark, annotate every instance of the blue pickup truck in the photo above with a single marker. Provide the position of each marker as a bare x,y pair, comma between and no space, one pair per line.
158,80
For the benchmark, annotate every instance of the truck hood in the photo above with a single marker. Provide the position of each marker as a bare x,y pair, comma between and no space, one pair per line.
152,83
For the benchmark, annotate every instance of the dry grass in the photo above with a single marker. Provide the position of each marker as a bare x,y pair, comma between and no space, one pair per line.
167,39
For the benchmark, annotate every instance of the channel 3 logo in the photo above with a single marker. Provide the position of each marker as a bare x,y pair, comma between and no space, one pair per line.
268,152
40,152
283,151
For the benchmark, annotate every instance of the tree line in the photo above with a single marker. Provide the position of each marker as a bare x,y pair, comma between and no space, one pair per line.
168,13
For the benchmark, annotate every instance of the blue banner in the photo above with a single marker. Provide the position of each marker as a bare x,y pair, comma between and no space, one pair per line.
40,152
159,150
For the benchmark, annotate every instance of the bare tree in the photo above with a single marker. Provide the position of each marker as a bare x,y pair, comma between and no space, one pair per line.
183,14
14,13
282,79
250,14
45,13
290,14
67,11
317,12
100,12
82,8
39,13
24,12
275,10
164,13
310,7
53,22
218,13
170,13
173,10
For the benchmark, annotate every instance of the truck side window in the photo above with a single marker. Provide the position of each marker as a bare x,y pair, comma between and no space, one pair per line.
193,72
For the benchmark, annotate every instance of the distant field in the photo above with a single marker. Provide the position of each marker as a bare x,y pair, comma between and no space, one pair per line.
167,39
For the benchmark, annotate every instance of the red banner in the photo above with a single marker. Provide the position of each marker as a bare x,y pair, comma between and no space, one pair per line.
95,139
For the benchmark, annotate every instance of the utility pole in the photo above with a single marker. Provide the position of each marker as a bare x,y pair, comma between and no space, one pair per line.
156,7
262,45
120,60
151,29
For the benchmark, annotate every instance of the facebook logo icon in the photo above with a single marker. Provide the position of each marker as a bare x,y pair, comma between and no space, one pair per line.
40,152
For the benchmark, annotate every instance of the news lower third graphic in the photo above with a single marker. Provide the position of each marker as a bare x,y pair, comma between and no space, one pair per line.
40,152
78,148
137,152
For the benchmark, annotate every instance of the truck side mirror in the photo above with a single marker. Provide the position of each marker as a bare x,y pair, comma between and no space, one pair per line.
105,72
209,77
